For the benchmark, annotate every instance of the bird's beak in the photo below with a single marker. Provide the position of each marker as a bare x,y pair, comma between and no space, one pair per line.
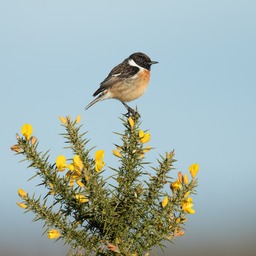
153,62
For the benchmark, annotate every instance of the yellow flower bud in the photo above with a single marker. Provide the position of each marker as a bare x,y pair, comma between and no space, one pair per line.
178,220
21,205
81,198
131,122
117,153
78,162
27,130
78,119
175,185
185,179
53,234
165,201
80,183
22,193
141,134
187,194
63,120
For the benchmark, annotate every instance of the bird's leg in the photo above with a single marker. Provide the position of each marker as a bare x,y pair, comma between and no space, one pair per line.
130,110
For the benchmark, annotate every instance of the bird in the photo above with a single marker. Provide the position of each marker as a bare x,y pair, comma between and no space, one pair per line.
126,82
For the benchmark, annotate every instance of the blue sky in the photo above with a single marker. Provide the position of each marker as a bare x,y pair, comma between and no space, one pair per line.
200,101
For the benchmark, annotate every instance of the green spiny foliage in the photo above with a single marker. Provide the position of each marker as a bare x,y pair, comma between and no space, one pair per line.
96,217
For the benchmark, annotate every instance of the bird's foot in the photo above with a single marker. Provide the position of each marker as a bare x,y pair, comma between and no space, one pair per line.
131,112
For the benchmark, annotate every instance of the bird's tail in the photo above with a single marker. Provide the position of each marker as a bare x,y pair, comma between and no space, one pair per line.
99,98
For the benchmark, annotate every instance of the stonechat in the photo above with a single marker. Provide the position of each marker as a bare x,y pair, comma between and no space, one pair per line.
127,81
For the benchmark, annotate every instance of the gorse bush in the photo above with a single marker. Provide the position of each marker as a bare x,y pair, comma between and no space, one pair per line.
140,207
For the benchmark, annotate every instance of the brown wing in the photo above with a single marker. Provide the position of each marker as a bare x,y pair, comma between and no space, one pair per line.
117,74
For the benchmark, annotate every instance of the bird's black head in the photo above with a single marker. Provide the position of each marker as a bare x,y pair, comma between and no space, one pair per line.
142,60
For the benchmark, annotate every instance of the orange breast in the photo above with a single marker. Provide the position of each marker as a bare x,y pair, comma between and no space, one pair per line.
132,88
143,82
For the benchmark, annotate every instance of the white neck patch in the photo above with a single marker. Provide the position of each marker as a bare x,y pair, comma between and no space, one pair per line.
134,64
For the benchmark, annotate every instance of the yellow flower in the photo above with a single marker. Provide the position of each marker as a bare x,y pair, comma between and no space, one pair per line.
176,185
76,175
131,122
99,155
165,201
180,220
78,119
53,234
99,164
187,194
189,200
21,205
71,167
27,130
117,153
78,162
81,198
177,220
80,183
187,206
61,163
141,134
144,137
63,120
194,168
22,193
